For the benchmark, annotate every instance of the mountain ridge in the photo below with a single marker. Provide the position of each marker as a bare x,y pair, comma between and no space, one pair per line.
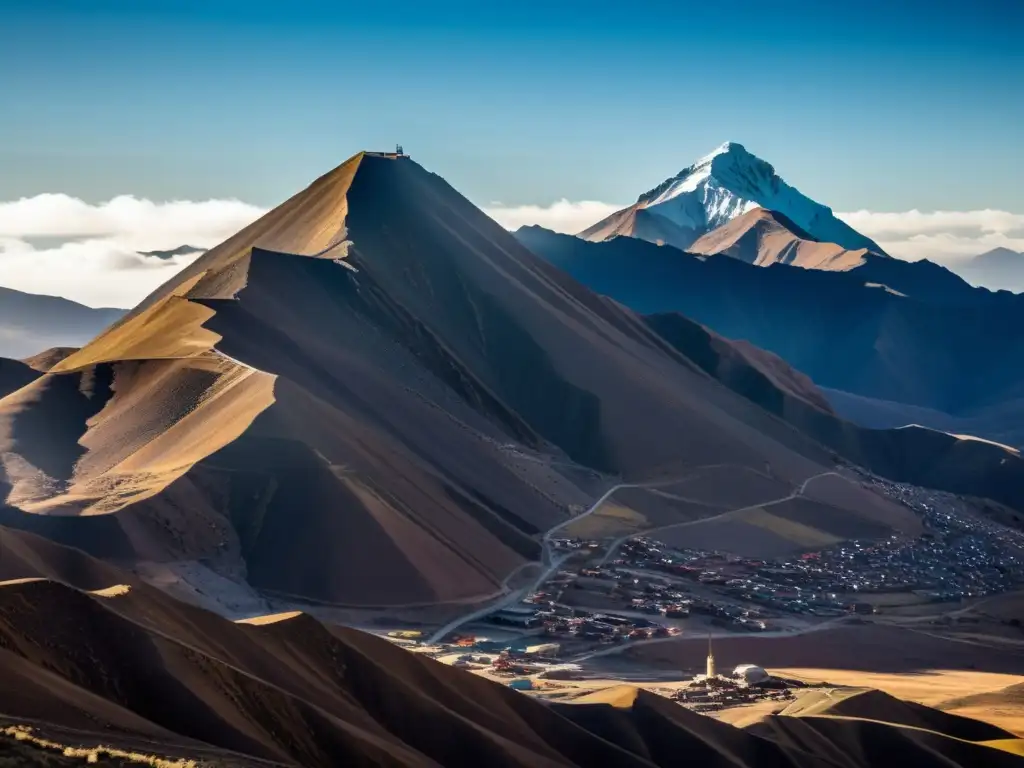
997,269
31,323
770,307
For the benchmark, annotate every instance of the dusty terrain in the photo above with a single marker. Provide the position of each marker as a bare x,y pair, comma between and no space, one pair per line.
122,671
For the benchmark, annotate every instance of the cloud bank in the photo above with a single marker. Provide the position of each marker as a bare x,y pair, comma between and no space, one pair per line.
59,245
948,237
562,216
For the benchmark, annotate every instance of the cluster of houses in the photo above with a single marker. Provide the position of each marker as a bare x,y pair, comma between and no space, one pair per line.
959,555
562,621
649,586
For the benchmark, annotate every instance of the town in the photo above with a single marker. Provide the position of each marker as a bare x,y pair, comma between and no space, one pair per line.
646,590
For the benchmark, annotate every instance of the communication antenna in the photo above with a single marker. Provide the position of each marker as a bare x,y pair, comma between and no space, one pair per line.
398,150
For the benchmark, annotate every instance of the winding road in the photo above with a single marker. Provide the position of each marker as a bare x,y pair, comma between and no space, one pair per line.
797,493
511,597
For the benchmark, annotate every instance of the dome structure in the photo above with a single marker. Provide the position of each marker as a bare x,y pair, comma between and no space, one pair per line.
751,674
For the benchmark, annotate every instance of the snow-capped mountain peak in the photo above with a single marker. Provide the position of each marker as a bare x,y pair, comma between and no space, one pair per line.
731,162
719,187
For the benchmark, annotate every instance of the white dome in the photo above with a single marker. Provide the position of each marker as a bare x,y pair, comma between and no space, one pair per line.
750,673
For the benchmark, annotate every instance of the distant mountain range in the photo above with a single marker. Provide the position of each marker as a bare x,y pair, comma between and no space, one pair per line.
952,355
181,250
998,269
892,342
30,323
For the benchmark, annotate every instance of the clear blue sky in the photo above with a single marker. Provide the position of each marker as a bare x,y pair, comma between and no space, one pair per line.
875,104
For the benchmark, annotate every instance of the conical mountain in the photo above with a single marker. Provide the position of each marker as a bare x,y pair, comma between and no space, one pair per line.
373,395
720,187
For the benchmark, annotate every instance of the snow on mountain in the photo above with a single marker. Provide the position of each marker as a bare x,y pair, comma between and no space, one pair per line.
716,189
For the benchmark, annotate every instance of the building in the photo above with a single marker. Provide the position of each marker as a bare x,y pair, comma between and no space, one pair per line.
751,674
711,660
544,649
516,616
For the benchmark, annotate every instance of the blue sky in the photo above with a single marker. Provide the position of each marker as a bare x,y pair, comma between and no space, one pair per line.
903,115
878,105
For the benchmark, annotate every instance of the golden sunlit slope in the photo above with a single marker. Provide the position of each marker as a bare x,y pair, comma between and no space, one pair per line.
48,358
764,237
373,395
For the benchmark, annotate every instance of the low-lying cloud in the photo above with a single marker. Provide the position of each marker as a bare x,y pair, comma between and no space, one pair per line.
943,236
561,216
60,245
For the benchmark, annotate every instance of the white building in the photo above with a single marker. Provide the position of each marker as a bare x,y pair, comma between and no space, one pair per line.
751,674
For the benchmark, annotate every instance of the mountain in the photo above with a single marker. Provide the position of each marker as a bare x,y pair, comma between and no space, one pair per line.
763,237
718,188
48,358
372,396
181,250
30,323
998,269
93,661
958,355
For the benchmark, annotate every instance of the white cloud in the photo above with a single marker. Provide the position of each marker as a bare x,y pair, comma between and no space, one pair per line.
562,216
59,245
126,217
943,236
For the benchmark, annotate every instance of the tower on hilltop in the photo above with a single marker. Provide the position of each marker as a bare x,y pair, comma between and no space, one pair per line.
710,672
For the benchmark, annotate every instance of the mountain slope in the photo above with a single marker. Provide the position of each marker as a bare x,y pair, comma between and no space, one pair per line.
834,328
912,454
764,237
906,333
30,323
998,269
373,395
718,188
863,338
90,656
